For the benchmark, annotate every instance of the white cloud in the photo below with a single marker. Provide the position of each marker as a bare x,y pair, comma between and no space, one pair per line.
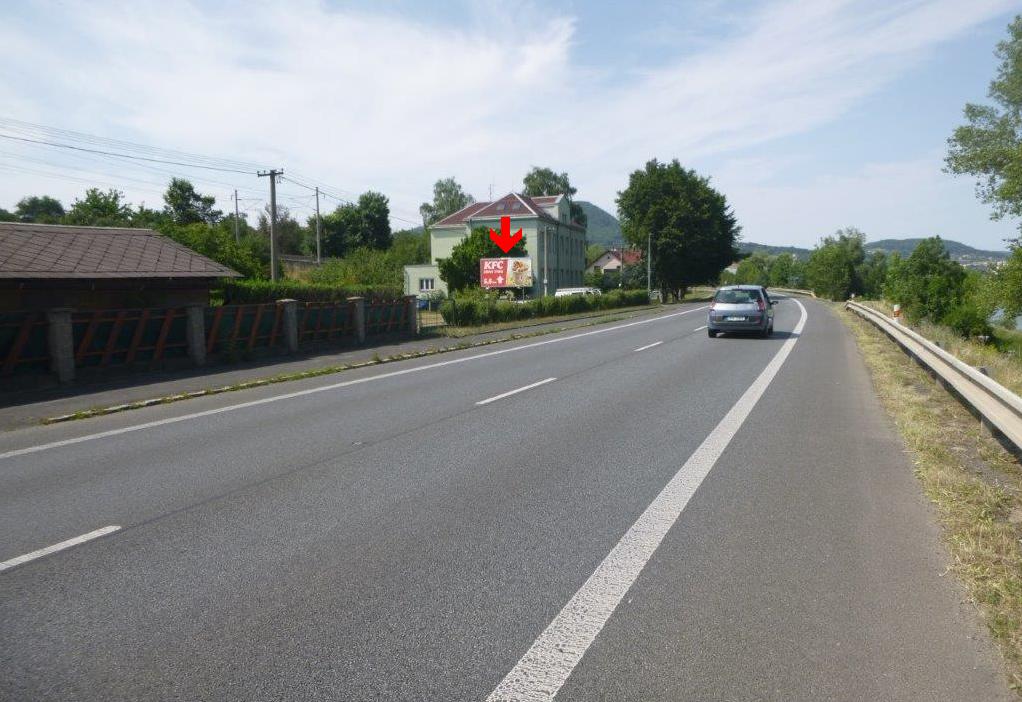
365,100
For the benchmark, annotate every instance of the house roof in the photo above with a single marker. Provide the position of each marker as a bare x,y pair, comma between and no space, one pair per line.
59,251
511,205
626,256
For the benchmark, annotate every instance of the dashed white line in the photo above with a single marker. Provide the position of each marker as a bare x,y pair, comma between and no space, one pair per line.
648,346
545,667
509,393
332,386
699,328
18,560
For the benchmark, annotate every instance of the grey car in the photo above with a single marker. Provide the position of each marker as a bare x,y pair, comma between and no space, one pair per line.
741,308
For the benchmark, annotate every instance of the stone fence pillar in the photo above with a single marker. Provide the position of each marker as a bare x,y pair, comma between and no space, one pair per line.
413,313
195,333
290,321
60,338
360,318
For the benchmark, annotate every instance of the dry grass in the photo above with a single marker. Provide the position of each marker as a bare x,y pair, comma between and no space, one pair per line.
975,484
1005,368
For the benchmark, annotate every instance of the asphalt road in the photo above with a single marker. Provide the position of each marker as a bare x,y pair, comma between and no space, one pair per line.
658,516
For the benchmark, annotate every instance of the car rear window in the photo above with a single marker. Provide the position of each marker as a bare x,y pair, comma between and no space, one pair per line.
736,297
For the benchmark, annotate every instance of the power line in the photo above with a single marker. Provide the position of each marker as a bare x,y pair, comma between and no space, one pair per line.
134,158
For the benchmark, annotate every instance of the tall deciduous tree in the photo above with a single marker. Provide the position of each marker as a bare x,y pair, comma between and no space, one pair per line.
834,265
100,209
186,206
41,209
691,226
461,270
544,181
927,284
448,198
990,145
365,223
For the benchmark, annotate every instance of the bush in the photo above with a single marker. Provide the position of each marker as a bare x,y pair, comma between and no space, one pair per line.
476,307
967,320
240,292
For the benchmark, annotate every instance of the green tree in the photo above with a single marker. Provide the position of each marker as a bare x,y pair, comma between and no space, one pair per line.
365,223
292,238
927,284
834,265
872,275
786,271
410,247
448,198
185,206
374,219
41,209
1007,283
217,242
7,216
544,181
754,270
989,147
692,228
461,270
100,209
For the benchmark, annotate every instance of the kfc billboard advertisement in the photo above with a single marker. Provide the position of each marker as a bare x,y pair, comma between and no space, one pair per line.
505,272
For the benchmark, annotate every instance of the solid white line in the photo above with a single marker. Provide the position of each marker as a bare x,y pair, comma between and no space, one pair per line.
545,667
509,393
699,328
648,346
333,386
4,565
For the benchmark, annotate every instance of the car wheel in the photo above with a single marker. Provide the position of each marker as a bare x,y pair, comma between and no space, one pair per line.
712,333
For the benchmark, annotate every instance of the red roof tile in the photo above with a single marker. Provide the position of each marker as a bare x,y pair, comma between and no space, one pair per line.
58,251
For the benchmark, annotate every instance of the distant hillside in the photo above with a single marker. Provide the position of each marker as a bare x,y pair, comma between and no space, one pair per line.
603,227
957,249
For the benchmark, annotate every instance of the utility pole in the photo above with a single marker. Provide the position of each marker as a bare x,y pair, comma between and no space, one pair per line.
237,236
319,258
273,173
546,267
649,263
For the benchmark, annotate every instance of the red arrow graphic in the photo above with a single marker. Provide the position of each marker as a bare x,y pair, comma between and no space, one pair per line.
505,240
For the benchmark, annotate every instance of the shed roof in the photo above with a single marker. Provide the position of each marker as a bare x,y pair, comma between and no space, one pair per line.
61,251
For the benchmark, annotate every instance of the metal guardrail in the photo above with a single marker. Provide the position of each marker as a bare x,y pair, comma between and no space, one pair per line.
998,407
793,291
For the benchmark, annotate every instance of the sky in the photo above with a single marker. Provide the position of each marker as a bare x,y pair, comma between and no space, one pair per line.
809,115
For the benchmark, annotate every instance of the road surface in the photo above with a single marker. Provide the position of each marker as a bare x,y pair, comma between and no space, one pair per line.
631,512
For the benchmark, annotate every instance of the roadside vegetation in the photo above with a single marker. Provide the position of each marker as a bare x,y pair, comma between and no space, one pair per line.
975,484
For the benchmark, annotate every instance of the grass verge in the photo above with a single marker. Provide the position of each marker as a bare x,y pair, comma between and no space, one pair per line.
375,359
974,482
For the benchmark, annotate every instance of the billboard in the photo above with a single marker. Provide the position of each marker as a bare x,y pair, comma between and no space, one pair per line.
505,272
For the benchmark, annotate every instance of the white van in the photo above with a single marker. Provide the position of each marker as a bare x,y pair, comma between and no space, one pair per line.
565,292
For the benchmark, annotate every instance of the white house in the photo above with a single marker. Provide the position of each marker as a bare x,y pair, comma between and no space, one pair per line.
556,245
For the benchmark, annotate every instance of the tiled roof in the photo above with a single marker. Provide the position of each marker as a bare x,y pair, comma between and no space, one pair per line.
58,251
461,215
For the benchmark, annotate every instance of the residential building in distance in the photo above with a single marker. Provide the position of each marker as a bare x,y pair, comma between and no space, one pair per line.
613,259
556,245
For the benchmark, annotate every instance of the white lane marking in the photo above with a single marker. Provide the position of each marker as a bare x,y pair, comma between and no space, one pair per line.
509,393
648,346
333,386
699,328
4,565
545,667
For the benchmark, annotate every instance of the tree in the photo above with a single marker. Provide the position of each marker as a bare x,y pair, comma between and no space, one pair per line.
355,225
410,248
785,271
833,267
543,181
461,270
927,284
873,274
754,270
990,145
100,209
374,220
291,237
41,209
691,226
217,242
7,216
185,206
448,198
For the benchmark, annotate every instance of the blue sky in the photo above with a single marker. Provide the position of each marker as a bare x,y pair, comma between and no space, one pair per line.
809,116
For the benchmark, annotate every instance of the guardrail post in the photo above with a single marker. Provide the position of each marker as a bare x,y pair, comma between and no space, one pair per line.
61,342
413,313
195,333
290,322
360,318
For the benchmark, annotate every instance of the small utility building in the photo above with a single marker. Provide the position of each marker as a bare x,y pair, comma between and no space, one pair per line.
47,266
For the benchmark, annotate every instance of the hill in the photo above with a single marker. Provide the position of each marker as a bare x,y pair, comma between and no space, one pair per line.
750,247
603,227
957,249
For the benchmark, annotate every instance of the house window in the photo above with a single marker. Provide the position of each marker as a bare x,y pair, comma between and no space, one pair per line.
425,284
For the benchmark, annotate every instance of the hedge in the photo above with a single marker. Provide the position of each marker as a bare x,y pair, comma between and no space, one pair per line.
472,311
241,292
